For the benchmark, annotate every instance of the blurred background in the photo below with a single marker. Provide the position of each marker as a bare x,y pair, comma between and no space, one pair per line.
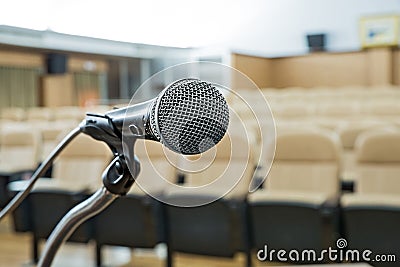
104,51
330,71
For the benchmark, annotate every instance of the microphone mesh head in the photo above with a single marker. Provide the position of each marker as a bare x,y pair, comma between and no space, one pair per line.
189,116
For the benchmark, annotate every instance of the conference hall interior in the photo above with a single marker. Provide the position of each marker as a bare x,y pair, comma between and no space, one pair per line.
200,133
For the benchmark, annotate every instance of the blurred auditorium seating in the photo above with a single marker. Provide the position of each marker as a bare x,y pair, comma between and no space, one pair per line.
300,197
51,136
349,133
13,114
135,220
372,212
68,114
220,227
19,156
19,149
76,173
297,208
39,115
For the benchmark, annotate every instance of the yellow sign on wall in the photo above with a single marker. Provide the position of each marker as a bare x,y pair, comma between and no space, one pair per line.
379,31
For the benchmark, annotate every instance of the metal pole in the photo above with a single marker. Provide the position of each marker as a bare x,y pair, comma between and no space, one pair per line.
75,217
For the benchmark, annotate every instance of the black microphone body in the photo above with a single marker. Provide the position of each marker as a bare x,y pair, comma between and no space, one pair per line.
137,116
189,117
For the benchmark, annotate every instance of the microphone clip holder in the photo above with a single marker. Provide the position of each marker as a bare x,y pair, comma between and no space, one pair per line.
117,177
101,128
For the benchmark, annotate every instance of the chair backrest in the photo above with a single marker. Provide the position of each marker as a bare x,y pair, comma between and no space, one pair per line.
230,166
378,160
293,111
335,109
350,131
383,108
13,114
82,163
70,113
306,160
157,167
19,149
50,138
100,108
39,114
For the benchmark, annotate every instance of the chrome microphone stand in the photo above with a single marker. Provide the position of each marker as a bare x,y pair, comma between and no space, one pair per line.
117,181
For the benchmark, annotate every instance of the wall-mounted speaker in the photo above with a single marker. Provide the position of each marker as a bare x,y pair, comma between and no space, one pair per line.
316,42
56,63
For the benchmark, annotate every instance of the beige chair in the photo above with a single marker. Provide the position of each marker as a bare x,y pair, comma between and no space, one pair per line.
157,168
19,149
78,168
13,114
230,167
50,139
255,127
19,152
348,133
343,109
225,171
306,161
294,126
330,123
136,220
294,111
69,114
387,110
82,163
297,206
372,213
39,114
77,172
101,109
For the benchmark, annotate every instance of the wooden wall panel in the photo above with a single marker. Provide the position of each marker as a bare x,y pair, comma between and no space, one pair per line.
257,68
320,69
27,60
57,91
377,66
396,67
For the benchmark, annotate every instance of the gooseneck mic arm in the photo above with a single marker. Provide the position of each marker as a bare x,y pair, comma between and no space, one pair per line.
16,201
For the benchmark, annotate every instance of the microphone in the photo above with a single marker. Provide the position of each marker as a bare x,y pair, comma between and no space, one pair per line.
189,116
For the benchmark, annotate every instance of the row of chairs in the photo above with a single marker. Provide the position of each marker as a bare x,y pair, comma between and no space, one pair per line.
30,143
44,114
328,94
318,104
335,112
299,206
